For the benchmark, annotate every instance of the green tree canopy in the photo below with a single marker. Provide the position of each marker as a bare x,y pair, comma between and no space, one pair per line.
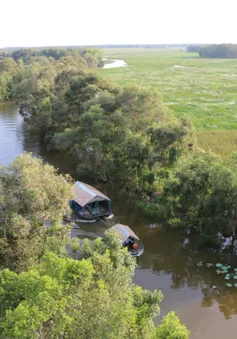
31,194
201,195
88,298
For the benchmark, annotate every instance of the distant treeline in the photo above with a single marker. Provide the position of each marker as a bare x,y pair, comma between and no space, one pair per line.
92,56
12,49
193,48
214,51
139,46
219,51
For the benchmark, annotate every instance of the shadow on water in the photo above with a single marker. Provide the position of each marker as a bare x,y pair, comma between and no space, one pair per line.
170,262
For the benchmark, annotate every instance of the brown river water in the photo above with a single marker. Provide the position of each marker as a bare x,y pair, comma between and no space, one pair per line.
170,259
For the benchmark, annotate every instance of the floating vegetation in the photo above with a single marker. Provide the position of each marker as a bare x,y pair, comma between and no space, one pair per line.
209,264
223,269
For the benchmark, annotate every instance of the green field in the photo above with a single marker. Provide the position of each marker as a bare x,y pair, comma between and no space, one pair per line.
204,90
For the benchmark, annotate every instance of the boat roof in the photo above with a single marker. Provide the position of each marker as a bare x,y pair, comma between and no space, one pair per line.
85,194
123,232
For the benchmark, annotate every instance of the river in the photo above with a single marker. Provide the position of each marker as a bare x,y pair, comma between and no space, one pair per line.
169,262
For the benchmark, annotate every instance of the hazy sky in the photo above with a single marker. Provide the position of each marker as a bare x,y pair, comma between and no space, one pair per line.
78,22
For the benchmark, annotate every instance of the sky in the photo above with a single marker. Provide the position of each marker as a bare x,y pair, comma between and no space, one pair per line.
94,22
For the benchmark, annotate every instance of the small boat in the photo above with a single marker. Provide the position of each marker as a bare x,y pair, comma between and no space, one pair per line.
129,239
89,203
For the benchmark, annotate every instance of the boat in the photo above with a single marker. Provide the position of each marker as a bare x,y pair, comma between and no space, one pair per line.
128,239
89,203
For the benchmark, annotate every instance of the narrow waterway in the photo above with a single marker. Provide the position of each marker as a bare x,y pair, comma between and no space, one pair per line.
170,262
114,63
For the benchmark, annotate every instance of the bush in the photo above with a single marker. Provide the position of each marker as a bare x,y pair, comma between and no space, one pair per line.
171,328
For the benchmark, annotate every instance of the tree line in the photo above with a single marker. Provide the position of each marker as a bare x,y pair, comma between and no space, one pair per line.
219,51
227,51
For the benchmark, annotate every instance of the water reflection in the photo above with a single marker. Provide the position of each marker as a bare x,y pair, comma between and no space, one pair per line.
170,261
11,138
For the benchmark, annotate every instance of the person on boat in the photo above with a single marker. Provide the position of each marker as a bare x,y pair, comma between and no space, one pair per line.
131,244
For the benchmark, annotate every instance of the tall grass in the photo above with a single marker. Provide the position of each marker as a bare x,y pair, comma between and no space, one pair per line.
220,142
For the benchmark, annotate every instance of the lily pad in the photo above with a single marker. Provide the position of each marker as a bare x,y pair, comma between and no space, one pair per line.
229,285
224,268
227,277
214,286
218,265
235,285
235,276
235,269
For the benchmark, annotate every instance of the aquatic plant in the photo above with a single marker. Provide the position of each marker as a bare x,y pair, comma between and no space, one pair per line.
218,265
209,264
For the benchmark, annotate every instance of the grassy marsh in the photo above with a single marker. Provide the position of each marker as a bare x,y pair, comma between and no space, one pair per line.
204,90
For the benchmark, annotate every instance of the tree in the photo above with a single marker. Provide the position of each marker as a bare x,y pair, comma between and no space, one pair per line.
88,298
30,194
201,195
170,328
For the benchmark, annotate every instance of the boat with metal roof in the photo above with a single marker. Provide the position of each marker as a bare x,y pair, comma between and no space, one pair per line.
128,239
89,203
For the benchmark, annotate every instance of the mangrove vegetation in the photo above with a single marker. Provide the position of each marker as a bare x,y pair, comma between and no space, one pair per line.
124,135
